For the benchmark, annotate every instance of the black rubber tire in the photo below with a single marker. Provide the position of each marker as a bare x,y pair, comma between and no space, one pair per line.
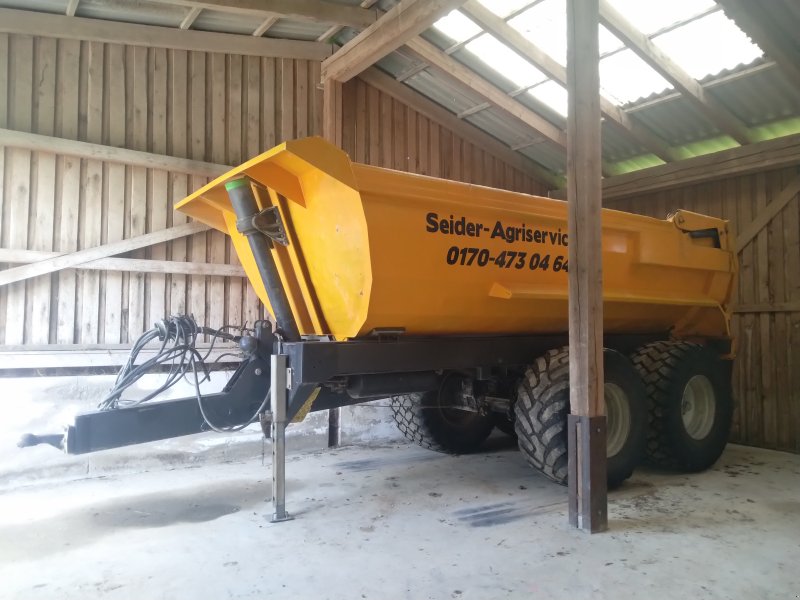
543,405
423,418
666,368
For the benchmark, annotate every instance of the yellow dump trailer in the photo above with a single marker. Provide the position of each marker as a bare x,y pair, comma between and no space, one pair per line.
373,249
450,299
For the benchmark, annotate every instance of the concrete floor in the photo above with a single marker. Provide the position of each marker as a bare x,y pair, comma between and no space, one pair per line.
396,521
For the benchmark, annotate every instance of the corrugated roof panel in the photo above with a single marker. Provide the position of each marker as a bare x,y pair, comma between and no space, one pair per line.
498,125
452,97
297,30
227,22
145,13
48,6
547,155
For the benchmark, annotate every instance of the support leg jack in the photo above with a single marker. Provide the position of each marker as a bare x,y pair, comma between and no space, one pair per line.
278,400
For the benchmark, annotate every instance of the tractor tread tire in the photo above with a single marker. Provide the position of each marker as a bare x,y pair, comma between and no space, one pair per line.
658,363
540,420
419,424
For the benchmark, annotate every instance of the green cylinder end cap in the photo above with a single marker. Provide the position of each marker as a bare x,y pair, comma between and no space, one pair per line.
236,183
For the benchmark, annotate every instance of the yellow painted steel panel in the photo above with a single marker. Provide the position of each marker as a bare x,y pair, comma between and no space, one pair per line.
373,249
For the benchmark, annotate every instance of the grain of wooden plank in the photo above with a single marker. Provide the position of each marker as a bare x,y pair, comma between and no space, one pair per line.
177,110
386,132
69,192
4,48
373,126
198,253
252,129
790,415
360,123
95,76
218,122
315,97
423,145
777,363
399,157
287,100
197,104
233,285
435,159
346,122
158,207
762,295
235,111
91,205
301,99
43,206
179,249
18,173
268,103
68,188
412,153
20,116
137,219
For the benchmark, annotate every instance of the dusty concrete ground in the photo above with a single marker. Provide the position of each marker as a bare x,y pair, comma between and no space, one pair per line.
396,521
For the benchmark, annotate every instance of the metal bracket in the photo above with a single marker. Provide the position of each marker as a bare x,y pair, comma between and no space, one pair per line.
268,222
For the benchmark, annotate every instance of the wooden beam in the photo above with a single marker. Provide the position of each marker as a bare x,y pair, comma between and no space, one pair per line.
97,30
450,67
332,111
135,265
73,259
72,6
712,109
69,357
265,25
190,17
334,29
544,62
319,11
763,156
404,21
46,143
588,506
408,96
772,210
757,22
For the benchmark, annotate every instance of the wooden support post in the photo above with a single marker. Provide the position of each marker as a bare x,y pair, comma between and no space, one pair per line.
332,131
588,502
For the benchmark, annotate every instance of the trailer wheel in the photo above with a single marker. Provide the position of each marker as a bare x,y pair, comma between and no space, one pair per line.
431,420
690,404
543,404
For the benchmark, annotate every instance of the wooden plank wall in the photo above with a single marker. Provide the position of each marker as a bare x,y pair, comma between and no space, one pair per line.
767,368
204,106
381,131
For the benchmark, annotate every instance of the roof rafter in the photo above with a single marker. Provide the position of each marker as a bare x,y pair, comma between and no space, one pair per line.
72,6
99,30
550,67
190,17
492,94
713,110
334,29
305,10
401,23
769,35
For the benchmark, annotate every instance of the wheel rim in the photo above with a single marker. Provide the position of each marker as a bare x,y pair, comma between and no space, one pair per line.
698,407
618,418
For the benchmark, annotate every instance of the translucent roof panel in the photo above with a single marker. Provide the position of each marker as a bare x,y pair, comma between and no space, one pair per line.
553,94
505,61
504,8
649,17
545,25
624,77
457,26
708,46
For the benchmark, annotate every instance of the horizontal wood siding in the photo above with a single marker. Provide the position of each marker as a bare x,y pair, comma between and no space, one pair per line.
767,367
202,106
